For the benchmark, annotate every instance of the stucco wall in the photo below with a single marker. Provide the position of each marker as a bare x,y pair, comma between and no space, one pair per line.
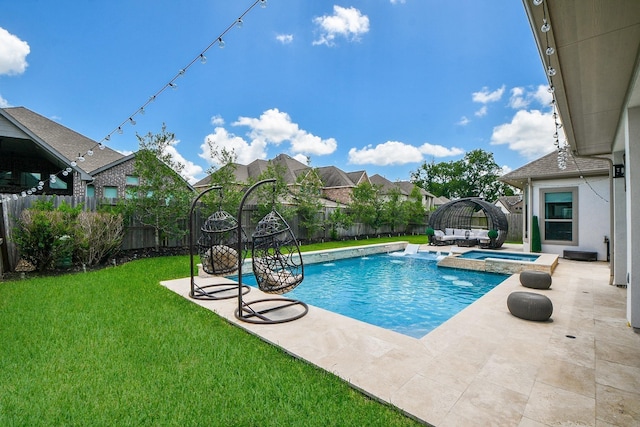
593,213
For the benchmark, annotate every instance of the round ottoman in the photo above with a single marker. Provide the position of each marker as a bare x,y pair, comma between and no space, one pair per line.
535,279
530,306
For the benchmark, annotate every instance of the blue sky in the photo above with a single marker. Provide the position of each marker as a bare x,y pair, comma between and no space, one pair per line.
375,85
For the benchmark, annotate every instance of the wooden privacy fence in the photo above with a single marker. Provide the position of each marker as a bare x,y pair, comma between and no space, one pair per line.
140,237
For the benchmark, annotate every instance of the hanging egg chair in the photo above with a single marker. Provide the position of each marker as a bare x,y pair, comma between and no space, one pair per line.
277,266
217,245
277,262
220,250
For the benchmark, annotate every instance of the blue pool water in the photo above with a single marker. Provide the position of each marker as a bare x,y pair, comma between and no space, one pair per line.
406,294
481,255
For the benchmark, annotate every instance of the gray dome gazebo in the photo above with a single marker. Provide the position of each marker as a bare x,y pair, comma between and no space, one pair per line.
458,214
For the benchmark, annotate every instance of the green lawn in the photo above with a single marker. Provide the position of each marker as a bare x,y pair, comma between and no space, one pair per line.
113,347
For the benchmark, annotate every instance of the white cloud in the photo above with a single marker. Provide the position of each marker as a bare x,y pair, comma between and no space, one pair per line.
273,127
4,103
542,95
191,172
530,133
398,153
13,53
481,112
521,98
397,1
463,121
439,150
505,170
349,23
221,139
301,158
388,153
217,120
484,96
518,99
285,38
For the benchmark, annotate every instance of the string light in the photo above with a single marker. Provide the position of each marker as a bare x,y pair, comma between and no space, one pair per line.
562,147
131,119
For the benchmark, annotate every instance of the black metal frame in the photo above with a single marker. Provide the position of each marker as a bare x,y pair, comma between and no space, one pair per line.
248,311
219,291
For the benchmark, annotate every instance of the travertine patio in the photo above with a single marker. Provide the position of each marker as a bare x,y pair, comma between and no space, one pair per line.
484,366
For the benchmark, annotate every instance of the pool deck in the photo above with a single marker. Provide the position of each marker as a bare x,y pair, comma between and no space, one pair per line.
483,366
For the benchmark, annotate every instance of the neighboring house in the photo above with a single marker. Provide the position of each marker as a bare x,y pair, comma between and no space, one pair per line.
572,205
439,201
404,187
337,184
33,147
510,204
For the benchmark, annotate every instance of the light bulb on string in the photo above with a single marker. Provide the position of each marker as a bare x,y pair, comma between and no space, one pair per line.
551,71
120,131
23,194
221,43
239,23
141,110
65,173
203,59
537,2
545,26
74,164
550,51
68,169
15,197
107,138
90,153
101,146
173,85
263,3
133,122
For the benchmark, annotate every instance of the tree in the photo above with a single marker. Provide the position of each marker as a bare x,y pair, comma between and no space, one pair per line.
224,176
415,210
307,199
393,210
162,198
270,196
367,205
476,175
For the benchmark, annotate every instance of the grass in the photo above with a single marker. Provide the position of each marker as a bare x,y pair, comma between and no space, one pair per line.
417,239
113,347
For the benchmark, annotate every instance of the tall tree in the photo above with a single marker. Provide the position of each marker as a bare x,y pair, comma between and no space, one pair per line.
307,201
162,198
367,205
224,176
476,175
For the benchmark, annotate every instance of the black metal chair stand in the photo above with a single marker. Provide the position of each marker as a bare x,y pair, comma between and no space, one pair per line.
277,265
220,250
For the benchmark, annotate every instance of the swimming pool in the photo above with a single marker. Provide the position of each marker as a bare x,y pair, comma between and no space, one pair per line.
482,255
407,294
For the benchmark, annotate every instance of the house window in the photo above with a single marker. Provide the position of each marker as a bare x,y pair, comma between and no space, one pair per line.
110,192
91,191
132,182
58,184
29,179
560,216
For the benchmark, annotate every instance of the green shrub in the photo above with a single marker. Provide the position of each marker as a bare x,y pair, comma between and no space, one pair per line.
98,235
44,237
